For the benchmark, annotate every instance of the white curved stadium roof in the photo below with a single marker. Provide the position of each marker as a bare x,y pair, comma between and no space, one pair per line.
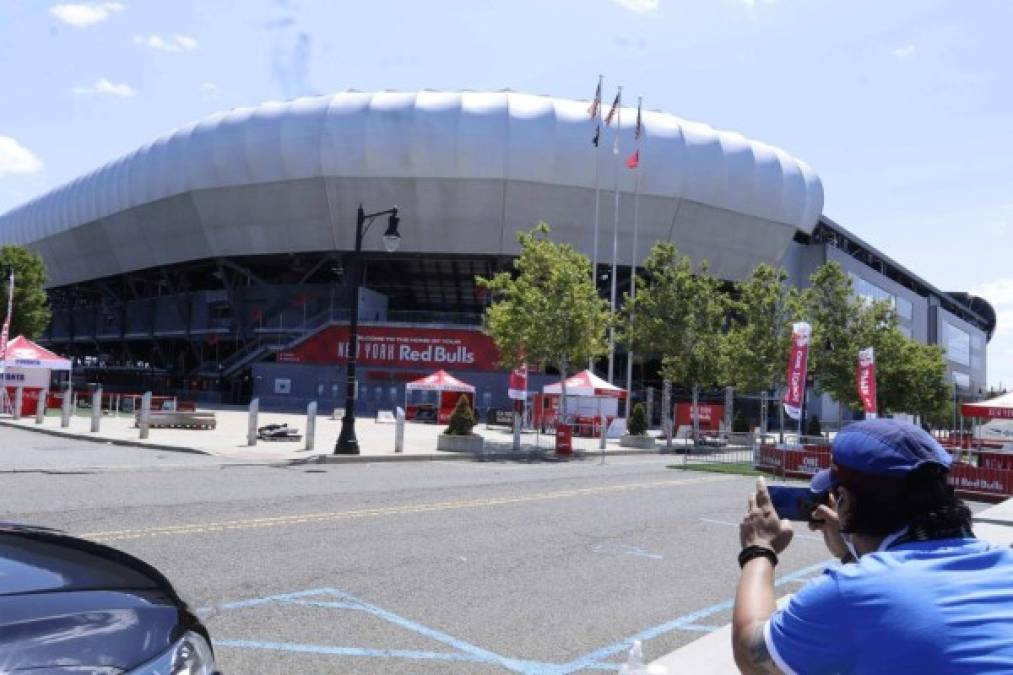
412,145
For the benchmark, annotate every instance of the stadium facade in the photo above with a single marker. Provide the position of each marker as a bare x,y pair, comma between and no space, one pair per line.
215,262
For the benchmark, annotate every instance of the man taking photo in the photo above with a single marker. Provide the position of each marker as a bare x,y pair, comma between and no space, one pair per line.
915,593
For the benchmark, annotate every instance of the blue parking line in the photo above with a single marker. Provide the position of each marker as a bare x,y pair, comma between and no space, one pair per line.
467,652
348,651
678,623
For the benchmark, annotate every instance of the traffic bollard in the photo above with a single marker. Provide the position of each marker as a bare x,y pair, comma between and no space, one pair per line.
399,430
251,429
96,410
40,406
66,406
144,419
311,424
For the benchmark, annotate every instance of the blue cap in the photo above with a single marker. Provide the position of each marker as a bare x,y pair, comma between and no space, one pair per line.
880,448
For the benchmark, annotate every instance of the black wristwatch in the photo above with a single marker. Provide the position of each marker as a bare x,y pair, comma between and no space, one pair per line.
750,552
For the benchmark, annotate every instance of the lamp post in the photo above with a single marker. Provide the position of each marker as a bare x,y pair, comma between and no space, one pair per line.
347,443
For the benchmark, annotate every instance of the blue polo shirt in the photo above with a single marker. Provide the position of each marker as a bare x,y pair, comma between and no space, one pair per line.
942,606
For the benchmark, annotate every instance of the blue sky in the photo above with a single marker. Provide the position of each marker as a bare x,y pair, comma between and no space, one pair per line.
903,107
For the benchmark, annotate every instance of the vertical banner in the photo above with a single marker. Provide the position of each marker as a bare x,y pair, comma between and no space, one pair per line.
865,378
518,388
797,363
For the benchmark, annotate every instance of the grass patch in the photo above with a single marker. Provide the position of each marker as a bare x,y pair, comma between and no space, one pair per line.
716,467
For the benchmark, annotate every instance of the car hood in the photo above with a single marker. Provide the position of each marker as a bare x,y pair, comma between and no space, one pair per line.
67,602
114,630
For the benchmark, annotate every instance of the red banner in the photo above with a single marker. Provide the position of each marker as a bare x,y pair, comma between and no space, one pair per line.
452,349
710,415
993,480
865,379
518,388
793,462
797,363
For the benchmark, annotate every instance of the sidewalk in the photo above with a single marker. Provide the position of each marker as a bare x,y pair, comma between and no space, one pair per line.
376,440
712,654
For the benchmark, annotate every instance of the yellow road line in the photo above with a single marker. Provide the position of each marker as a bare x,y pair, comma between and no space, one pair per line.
298,519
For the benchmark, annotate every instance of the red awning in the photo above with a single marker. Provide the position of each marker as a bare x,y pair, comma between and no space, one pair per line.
585,383
441,380
998,408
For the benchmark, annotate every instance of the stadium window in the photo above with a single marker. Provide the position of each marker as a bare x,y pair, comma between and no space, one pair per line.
962,380
905,309
957,343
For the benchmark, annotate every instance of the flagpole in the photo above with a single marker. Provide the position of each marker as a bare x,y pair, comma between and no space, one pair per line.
597,198
615,238
633,262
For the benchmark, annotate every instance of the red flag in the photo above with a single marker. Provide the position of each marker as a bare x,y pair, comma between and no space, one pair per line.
797,364
633,161
6,331
865,379
518,388
615,107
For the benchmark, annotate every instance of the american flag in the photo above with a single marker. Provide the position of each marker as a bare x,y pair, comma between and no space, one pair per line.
615,108
592,112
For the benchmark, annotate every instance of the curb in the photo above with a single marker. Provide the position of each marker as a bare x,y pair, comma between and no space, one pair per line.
543,455
99,439
546,455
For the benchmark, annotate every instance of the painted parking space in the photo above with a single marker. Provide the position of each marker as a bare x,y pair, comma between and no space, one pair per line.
394,640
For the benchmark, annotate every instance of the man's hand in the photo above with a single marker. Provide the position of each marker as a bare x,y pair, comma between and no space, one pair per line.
826,520
761,526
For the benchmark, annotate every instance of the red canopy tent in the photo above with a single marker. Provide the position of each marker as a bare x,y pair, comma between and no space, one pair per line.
448,390
29,366
588,398
1000,407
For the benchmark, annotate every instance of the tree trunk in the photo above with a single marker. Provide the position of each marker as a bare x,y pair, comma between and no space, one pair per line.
695,412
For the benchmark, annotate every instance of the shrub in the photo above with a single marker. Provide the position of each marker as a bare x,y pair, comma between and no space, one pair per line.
462,420
638,421
740,424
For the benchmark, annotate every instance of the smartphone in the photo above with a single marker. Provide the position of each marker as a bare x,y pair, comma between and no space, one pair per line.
796,503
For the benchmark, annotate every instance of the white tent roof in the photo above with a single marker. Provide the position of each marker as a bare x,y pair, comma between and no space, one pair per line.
441,380
23,353
585,383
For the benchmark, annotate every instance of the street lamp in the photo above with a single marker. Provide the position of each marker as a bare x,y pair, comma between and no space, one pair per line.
347,443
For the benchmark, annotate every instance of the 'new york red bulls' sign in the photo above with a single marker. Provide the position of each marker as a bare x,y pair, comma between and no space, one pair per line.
398,346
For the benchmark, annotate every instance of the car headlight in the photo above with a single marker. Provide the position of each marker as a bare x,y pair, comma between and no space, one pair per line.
191,655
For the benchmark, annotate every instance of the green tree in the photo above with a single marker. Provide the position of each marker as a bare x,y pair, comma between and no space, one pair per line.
638,421
759,338
678,316
462,420
549,312
31,307
832,310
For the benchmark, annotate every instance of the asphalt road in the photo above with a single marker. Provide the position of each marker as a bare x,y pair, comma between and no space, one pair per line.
422,567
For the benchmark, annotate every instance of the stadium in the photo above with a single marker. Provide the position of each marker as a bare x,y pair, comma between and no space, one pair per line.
216,262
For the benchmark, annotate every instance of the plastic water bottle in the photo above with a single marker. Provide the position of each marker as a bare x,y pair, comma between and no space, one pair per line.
635,661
